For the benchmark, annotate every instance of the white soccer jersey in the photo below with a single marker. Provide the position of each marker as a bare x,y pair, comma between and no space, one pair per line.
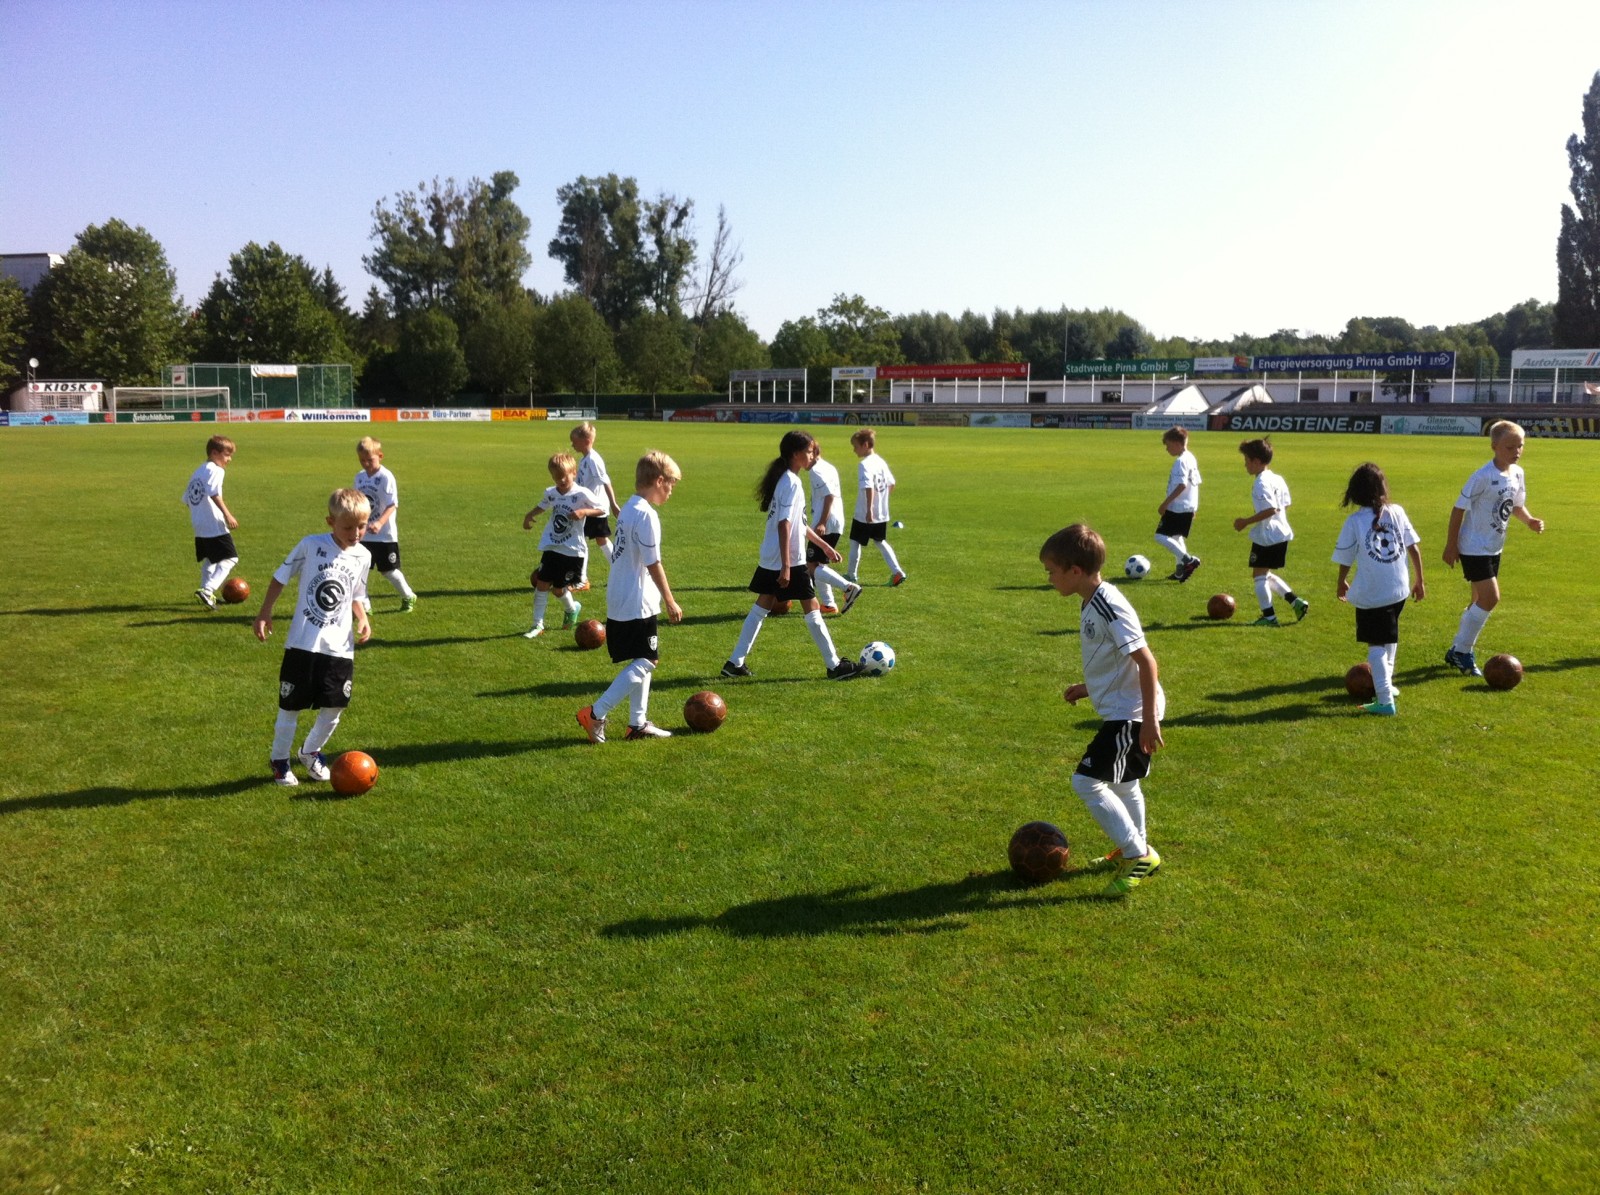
631,591
825,483
382,492
874,475
1376,544
593,477
563,530
1489,497
1109,633
1271,492
788,502
331,578
1185,472
203,513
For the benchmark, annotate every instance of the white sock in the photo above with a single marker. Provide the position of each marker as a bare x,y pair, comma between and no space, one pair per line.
828,575
629,679
823,640
321,730
747,634
1278,585
1264,592
541,599
283,733
215,573
855,559
605,549
639,699
1132,797
1173,545
824,593
1472,620
889,557
1382,673
398,579
1110,813
568,602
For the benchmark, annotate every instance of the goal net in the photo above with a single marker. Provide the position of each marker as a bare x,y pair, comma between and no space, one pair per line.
170,398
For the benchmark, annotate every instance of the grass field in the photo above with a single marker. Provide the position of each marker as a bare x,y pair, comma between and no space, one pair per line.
786,957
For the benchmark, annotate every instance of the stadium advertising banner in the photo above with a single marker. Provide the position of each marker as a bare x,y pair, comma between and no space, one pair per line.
517,414
767,375
1107,366
412,415
1552,427
854,373
1000,419
266,415
1555,359
982,371
326,415
47,418
1354,361
462,414
771,416
1252,422
694,415
1432,425
166,416
1221,364
1194,423
568,414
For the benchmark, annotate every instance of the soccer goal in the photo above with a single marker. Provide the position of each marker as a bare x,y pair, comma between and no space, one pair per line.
170,398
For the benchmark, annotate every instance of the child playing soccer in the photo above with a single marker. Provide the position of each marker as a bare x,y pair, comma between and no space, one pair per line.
827,520
1178,508
213,545
382,539
1492,497
1377,538
635,592
319,654
593,477
1270,532
1121,681
562,544
874,484
782,575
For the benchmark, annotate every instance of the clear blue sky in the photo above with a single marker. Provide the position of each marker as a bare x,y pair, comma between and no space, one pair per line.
1208,168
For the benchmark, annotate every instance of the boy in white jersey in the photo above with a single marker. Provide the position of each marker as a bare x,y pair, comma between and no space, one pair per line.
636,590
1492,497
874,484
827,520
1122,682
562,544
382,539
212,520
319,655
593,477
1177,509
1378,539
1270,532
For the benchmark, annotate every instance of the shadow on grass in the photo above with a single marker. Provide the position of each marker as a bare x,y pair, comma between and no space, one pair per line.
1332,685
1198,622
523,590
377,640
925,910
69,611
104,796
658,684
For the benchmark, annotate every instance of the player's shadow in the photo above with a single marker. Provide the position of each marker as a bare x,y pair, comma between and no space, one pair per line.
1059,631
406,755
1331,686
220,618
1564,665
1200,622
109,795
379,642
70,611
523,590
711,589
690,620
930,909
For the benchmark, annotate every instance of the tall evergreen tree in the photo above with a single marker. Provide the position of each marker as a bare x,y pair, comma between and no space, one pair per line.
1577,315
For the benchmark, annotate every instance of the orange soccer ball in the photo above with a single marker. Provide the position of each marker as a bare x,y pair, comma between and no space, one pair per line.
353,773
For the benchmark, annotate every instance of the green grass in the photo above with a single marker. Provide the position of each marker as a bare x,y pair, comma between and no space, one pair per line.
786,957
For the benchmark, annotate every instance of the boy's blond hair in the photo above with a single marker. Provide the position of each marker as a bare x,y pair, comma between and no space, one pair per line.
349,502
653,466
218,444
1501,428
584,431
1077,546
562,465
865,436
1175,435
369,445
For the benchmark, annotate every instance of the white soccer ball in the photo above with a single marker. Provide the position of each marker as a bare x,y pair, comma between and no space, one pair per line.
877,658
1136,567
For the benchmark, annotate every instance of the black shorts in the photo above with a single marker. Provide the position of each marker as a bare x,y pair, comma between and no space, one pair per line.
558,570
597,527
632,639
1379,626
800,587
864,533
215,548
1480,568
1114,756
1175,523
385,556
814,554
309,680
1269,555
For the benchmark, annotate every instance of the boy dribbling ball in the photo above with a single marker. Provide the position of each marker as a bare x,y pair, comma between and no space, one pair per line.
593,477
212,521
562,546
1270,533
382,539
1177,509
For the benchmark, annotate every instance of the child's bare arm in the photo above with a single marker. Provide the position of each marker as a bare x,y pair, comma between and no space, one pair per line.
1452,537
1418,589
227,515
658,574
1521,513
1150,728
529,518
263,623
1343,587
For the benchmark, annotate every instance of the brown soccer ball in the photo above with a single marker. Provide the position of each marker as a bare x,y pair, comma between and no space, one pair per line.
782,607
1358,682
1038,852
235,590
1502,671
1221,606
589,634
353,773
705,711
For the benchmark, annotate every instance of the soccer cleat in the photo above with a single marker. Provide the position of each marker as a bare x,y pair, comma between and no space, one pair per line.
827,609
844,669
897,579
1110,859
851,577
1301,606
534,632
594,727
407,605
730,669
850,596
1188,567
1175,575
1133,872
283,775
648,731
1384,709
570,618
1463,661
1266,620
316,764
581,586
207,598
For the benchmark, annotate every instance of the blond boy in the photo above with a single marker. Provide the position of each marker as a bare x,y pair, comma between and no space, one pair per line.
382,538
593,477
562,546
212,521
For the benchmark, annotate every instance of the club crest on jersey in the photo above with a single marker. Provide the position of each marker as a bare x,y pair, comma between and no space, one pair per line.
329,594
1502,514
196,494
286,689
347,689
1383,543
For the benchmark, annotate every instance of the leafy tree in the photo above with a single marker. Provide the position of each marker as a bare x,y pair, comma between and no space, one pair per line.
272,306
670,251
1577,309
858,333
930,339
620,253
376,326
499,347
713,294
727,343
1529,325
14,326
110,310
801,344
429,360
655,352
573,351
